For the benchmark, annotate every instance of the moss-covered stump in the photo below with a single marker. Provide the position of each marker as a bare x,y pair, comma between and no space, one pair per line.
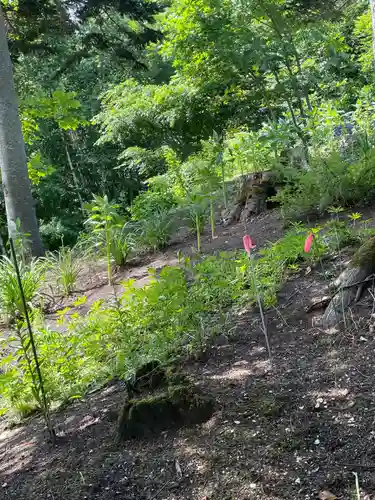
350,283
177,406
152,376
149,376
252,193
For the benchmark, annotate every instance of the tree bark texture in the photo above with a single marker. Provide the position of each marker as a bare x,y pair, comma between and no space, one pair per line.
19,202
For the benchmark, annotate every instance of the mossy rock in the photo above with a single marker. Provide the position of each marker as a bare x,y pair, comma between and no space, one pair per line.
177,406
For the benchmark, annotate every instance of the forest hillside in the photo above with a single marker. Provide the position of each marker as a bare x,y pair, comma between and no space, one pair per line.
187,249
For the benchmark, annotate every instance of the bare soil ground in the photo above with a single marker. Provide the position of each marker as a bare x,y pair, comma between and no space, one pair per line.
290,429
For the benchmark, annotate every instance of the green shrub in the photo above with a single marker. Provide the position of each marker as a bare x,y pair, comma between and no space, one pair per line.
329,181
275,260
55,233
341,160
105,226
158,198
122,243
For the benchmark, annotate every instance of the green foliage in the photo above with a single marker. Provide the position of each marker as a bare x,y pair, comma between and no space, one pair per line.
179,311
248,152
32,275
55,233
341,159
230,87
341,234
275,261
145,323
363,37
143,163
155,231
127,111
62,107
122,243
151,116
106,225
64,268
197,217
37,168
158,197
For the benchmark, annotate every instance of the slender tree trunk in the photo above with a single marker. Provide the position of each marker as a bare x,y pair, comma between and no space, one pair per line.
372,6
75,179
19,202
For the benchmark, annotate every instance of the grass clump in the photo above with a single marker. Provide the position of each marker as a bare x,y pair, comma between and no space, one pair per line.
155,232
64,268
32,275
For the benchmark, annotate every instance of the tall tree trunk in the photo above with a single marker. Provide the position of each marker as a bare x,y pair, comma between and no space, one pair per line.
372,6
19,202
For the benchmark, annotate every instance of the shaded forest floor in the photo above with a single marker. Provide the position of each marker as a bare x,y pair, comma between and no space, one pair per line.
287,430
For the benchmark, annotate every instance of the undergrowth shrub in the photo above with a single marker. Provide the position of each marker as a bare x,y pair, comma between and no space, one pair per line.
158,198
330,181
340,234
341,160
108,234
275,260
122,244
55,233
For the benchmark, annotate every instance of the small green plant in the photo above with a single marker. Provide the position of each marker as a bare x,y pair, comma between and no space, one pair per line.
249,246
294,268
343,234
103,218
21,243
354,217
65,267
158,197
30,357
197,215
123,243
55,233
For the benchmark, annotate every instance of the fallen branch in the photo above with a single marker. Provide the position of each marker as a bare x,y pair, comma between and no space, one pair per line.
369,278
